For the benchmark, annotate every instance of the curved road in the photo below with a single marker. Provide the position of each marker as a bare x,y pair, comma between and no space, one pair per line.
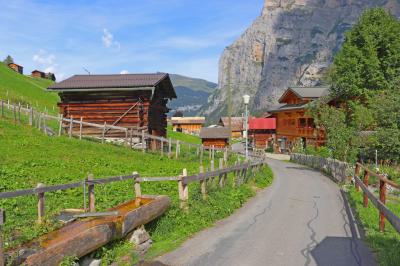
302,219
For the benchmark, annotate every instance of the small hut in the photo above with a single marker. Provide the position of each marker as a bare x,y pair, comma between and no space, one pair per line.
236,125
16,68
134,101
262,131
38,74
190,125
215,136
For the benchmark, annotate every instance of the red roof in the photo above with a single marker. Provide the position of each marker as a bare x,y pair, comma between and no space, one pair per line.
262,123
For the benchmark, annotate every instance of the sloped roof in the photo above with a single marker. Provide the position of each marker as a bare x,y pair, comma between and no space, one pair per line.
262,123
188,120
14,64
106,82
215,133
38,71
306,92
236,123
288,107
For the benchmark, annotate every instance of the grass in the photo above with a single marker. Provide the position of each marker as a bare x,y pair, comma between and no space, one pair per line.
183,137
29,157
386,244
26,90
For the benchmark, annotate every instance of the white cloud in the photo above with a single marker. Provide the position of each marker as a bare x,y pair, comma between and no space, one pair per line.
46,62
124,72
108,40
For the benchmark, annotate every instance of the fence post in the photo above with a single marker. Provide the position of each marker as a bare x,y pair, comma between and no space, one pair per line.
41,207
2,108
221,166
80,128
143,142
15,114
203,184
201,154
169,148
103,134
226,156
183,190
177,150
357,174
212,169
162,147
2,222
71,122
92,207
131,138
382,198
213,153
31,116
366,179
138,190
61,118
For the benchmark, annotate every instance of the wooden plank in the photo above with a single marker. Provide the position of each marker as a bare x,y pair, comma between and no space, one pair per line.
389,215
158,179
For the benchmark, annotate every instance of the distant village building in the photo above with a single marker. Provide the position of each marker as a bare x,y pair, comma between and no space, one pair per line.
216,136
38,74
135,101
262,132
292,122
236,125
189,125
16,68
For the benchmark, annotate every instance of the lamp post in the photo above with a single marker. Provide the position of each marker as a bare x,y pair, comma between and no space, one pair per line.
246,100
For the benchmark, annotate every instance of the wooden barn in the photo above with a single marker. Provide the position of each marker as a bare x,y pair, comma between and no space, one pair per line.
292,122
262,132
236,125
189,125
215,136
134,101
38,74
16,68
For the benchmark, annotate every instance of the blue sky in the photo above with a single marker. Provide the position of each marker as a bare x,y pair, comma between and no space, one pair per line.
176,36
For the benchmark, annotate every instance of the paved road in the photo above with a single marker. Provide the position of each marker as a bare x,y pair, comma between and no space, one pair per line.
302,219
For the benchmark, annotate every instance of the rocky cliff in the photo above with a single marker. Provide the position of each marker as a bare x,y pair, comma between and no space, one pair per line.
291,43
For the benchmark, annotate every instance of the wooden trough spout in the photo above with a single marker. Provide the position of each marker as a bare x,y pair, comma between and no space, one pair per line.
84,236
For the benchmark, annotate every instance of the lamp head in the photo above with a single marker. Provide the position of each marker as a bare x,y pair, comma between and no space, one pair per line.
246,99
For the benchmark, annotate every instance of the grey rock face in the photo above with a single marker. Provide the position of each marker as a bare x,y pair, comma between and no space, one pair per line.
291,43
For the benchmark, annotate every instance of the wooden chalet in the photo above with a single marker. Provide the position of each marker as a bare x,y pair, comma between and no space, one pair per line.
292,122
189,125
135,101
215,136
262,132
236,125
38,74
16,68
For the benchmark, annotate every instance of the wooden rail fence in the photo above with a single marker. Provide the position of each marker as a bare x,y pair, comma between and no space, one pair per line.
134,137
379,203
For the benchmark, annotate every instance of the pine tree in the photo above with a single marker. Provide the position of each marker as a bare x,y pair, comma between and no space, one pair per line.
8,60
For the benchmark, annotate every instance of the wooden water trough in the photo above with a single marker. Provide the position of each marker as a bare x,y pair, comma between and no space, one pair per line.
81,237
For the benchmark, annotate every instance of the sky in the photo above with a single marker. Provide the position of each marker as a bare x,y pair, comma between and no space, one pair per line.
110,37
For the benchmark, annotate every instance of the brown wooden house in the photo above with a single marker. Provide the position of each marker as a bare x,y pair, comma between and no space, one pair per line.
215,136
16,68
262,132
38,74
190,125
134,101
292,121
236,125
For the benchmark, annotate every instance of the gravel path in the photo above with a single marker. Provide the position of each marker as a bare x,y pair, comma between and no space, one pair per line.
302,219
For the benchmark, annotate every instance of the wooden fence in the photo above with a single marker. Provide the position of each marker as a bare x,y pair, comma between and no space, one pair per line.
136,138
336,169
379,203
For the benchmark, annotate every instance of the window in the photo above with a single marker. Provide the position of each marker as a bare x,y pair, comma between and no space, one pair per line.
302,122
310,123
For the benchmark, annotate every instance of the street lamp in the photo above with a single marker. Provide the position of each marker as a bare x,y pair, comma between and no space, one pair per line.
246,100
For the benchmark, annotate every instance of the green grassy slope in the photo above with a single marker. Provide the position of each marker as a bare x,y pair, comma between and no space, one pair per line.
26,90
29,157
